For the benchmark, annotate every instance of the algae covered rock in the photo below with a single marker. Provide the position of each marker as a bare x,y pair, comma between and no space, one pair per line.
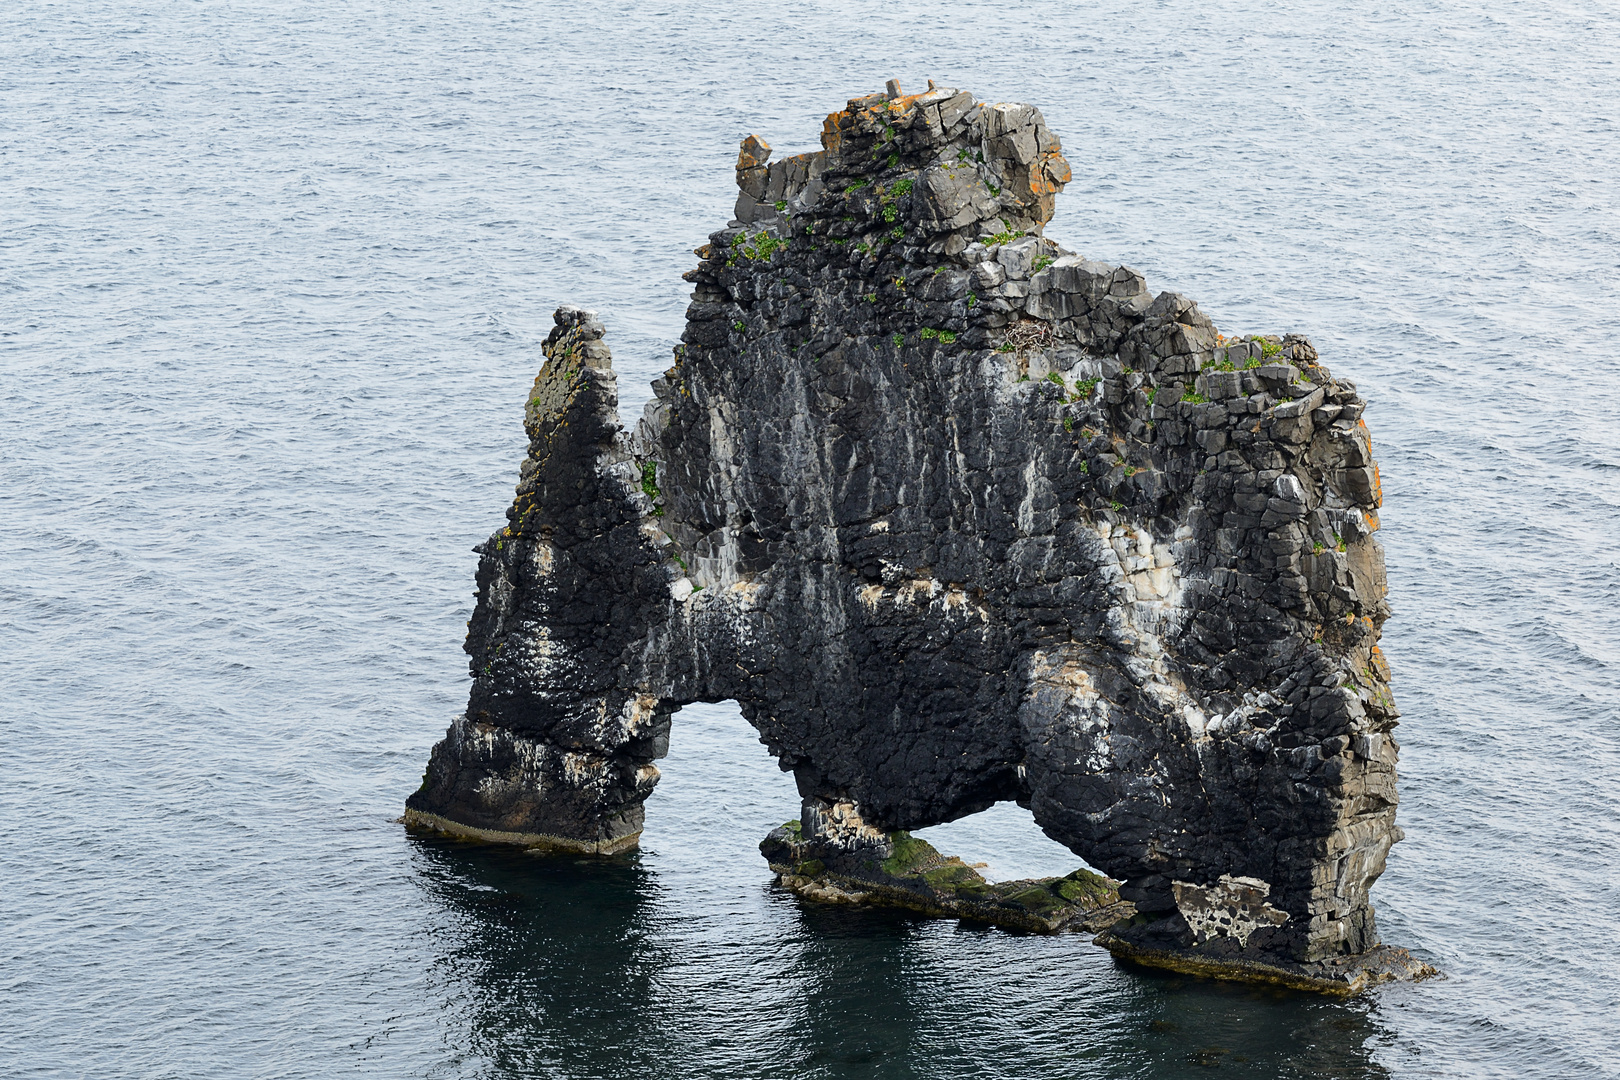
913,875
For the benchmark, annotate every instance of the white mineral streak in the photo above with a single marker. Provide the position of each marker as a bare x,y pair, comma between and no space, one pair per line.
1144,575
1061,679
544,558
543,651
483,742
1234,907
582,769
639,714
841,823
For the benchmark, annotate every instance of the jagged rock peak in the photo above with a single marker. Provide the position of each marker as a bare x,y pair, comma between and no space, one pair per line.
968,164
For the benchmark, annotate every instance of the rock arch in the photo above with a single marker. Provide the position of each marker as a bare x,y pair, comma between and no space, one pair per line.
956,516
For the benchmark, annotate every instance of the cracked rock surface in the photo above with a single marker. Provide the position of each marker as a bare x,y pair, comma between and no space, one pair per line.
956,515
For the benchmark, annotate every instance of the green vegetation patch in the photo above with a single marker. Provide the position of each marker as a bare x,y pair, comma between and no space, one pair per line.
909,853
951,875
649,486
1086,888
1037,899
762,245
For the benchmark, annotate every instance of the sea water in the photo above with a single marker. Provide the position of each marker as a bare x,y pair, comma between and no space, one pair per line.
273,280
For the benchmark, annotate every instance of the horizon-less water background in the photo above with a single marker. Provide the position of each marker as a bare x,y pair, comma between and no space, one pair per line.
273,279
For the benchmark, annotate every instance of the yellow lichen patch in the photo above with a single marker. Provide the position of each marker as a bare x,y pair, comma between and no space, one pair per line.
639,712
919,590
745,591
754,152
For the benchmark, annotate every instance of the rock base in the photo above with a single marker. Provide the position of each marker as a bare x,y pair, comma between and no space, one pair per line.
897,869
539,842
915,876
1147,944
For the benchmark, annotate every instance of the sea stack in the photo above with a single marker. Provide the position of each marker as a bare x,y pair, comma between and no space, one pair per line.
956,515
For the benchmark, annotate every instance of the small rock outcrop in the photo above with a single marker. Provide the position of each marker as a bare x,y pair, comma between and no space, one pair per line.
906,871
956,515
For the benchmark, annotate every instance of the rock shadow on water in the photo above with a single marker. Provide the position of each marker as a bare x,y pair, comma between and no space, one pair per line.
566,966
549,963
879,1002
859,1011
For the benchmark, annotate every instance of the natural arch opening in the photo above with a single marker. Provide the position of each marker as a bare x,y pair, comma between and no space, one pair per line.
720,790
1004,844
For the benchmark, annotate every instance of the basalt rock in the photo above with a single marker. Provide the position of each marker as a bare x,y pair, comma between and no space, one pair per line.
956,516
905,871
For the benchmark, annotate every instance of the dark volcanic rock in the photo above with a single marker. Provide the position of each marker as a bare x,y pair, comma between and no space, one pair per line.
956,516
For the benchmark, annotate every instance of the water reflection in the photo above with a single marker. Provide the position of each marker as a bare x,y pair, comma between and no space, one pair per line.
572,967
551,964
860,1014
1184,1027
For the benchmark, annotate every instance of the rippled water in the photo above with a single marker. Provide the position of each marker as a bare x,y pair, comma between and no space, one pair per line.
272,283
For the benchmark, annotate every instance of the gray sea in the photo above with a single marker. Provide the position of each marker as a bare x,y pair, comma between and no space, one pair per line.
273,279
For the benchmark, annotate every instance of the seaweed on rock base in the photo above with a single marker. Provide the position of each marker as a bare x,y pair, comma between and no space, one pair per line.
917,877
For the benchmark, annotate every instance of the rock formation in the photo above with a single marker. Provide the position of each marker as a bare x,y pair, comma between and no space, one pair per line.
956,516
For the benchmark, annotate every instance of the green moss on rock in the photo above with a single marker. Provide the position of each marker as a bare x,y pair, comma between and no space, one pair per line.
909,854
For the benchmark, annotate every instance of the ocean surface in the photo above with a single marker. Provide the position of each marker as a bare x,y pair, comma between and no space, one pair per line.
273,281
